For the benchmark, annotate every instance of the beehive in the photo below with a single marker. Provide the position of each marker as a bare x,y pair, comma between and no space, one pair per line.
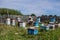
56,26
59,25
52,20
44,27
32,31
18,19
51,27
8,21
36,24
13,22
21,24
38,20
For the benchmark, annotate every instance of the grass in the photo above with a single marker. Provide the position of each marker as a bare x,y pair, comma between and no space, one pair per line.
17,33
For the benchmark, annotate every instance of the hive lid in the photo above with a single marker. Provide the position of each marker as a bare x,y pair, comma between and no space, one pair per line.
32,28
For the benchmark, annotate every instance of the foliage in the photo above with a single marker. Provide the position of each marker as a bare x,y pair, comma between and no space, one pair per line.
9,11
17,33
33,14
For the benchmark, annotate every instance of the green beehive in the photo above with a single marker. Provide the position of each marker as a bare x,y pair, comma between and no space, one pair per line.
41,24
43,27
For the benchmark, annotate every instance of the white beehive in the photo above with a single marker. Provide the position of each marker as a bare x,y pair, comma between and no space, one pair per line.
13,22
8,21
47,27
22,24
52,27
56,25
18,19
59,25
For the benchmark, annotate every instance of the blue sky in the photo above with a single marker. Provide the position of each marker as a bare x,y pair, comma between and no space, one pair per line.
39,7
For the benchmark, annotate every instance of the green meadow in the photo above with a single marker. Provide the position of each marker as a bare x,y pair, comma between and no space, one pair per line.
18,33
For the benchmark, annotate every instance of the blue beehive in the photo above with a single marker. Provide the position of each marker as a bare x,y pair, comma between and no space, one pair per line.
43,27
36,24
32,31
52,20
38,20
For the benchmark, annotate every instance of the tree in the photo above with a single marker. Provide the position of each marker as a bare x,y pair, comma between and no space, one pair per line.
5,11
33,14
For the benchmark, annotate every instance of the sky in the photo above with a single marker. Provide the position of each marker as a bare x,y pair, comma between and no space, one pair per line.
38,7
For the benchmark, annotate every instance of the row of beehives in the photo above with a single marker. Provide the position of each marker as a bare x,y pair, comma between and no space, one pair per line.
30,21
13,22
42,27
37,23
10,21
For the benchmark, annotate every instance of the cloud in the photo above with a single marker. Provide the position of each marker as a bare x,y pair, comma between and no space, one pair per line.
39,7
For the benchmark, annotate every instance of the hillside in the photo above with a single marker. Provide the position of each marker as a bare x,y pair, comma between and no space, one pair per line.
17,33
9,11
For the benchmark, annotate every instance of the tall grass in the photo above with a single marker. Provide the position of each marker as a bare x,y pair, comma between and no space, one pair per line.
18,33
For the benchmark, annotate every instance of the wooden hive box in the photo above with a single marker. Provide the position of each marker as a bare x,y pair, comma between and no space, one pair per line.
44,28
36,24
59,25
8,21
21,24
13,22
32,31
51,27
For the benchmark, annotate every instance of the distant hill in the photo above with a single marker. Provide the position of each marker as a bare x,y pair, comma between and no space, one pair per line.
5,11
